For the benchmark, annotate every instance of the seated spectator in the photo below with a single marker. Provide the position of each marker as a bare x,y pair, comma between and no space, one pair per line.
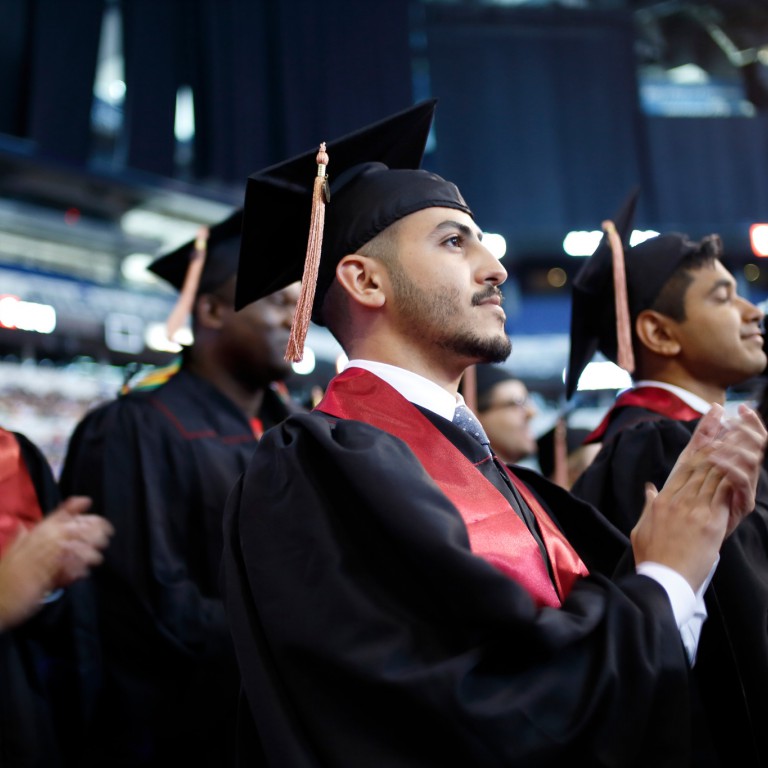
505,410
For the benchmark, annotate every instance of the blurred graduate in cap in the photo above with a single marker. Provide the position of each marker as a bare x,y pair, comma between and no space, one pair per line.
686,335
397,595
159,464
505,409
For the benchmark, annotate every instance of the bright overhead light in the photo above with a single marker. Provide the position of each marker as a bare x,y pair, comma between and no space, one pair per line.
184,124
341,361
496,244
581,243
156,338
305,366
603,375
134,268
640,236
170,231
26,315
758,239
584,243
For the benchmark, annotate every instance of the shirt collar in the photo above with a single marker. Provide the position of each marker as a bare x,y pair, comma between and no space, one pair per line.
694,401
412,387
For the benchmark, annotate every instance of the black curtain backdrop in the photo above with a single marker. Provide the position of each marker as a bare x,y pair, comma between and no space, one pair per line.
710,174
538,119
270,79
64,46
15,47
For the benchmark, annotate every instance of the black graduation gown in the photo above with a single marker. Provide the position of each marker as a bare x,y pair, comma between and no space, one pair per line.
42,665
159,465
369,635
731,670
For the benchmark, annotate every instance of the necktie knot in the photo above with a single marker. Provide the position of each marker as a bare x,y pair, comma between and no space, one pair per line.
466,420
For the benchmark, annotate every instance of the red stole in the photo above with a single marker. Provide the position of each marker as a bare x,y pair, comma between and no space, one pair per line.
654,399
495,532
18,499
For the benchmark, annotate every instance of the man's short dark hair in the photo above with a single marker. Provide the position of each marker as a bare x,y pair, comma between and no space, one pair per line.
671,298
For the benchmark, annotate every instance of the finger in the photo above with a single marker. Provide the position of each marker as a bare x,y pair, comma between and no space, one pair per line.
691,475
752,417
707,428
748,428
75,505
741,481
94,530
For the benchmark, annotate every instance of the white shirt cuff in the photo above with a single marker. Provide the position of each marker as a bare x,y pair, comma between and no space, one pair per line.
687,606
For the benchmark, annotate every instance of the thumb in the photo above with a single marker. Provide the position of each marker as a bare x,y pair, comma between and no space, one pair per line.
651,492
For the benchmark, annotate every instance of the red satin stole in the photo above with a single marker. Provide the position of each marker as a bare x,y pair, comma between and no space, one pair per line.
495,531
655,399
18,499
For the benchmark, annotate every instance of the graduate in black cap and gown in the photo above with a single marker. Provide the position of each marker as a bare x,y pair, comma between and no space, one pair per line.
159,465
692,336
396,595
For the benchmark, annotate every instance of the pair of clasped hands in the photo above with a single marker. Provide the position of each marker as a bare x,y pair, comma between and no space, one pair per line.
59,550
710,490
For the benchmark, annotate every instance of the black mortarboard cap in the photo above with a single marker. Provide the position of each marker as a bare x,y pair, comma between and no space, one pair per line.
222,253
374,181
649,265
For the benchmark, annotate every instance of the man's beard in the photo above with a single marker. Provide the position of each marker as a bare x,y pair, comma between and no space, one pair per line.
433,317
493,349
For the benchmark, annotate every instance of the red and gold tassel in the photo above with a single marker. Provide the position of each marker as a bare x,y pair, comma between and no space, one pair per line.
186,299
626,357
295,351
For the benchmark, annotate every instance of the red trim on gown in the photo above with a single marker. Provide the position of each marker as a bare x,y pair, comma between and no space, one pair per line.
496,532
655,399
18,498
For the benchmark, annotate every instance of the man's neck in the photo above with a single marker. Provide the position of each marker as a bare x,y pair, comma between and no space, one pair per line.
247,398
409,359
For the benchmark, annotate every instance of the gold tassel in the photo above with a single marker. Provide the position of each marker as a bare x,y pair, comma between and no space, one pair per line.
186,299
295,351
625,355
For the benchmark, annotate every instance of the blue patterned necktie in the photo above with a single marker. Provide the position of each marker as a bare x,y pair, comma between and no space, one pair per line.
467,420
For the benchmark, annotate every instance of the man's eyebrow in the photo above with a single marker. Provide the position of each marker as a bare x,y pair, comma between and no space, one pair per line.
465,229
723,282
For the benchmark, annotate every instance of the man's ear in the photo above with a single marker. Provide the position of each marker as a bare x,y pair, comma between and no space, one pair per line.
364,279
657,333
209,311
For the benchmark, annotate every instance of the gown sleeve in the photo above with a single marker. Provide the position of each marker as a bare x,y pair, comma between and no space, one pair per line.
369,634
731,672
144,482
